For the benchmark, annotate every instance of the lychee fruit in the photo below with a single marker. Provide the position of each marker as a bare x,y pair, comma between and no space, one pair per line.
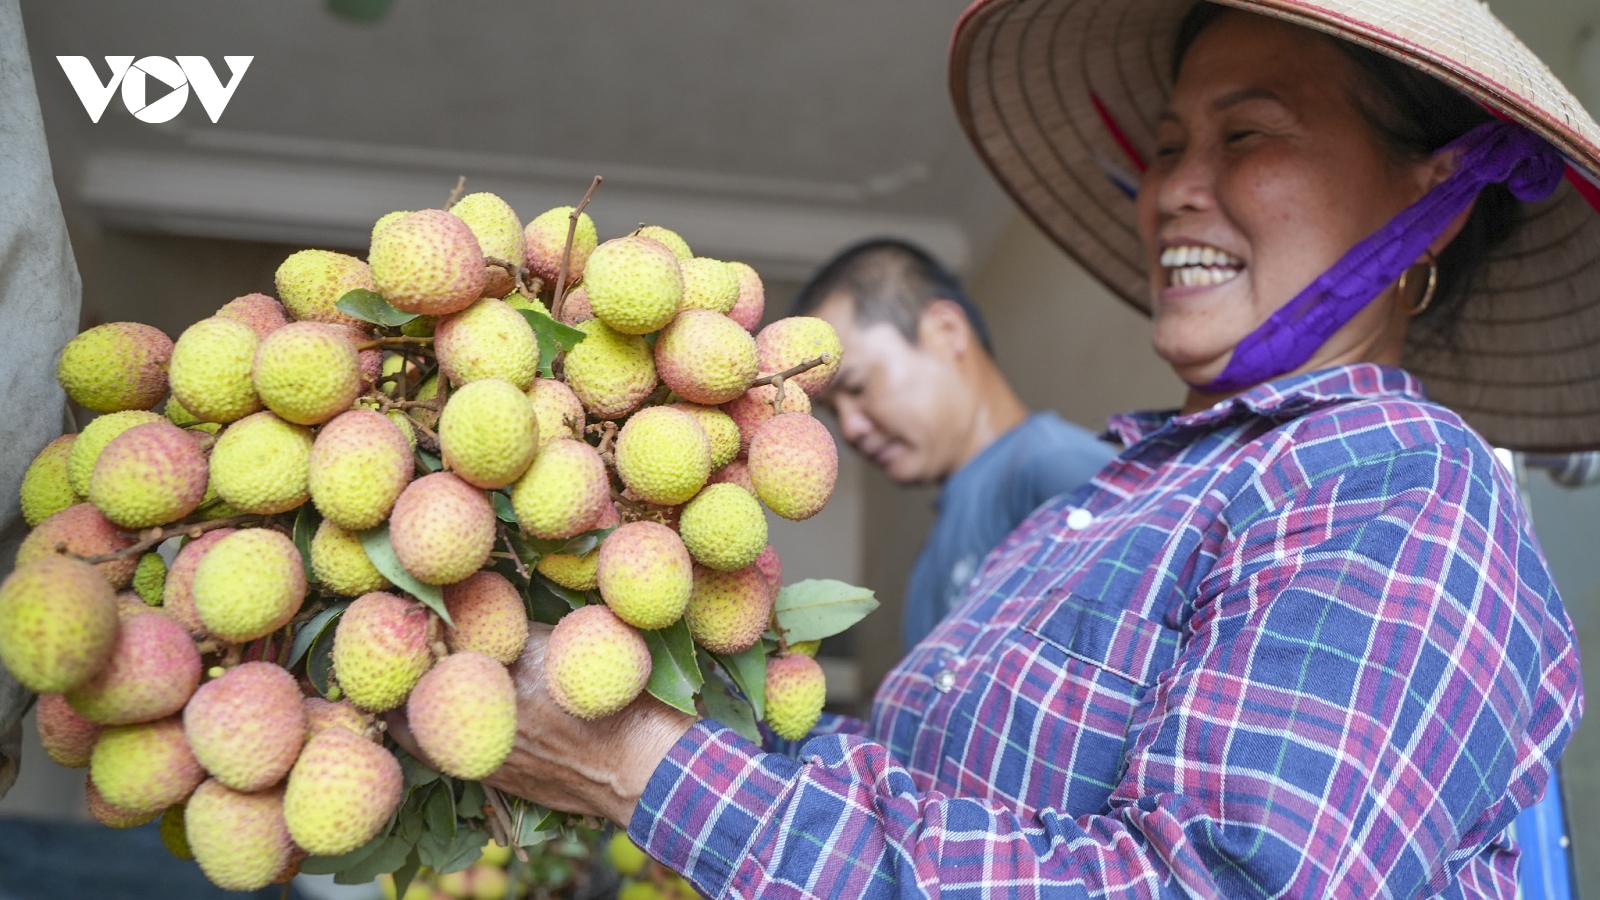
263,314
322,714
115,367
307,373
463,713
575,307
595,664
579,573
359,464
488,339
736,472
341,564
86,449
58,623
752,302
489,616
210,370
240,840
771,568
442,528
145,768
46,490
557,408
384,221
565,490
67,737
177,595
186,420
806,648
789,342
667,238
610,372
794,465
149,475
341,792
720,429
261,464
723,527
246,727
645,574
709,284
754,409
111,816
249,584
728,611
663,455
499,232
150,578
81,530
546,240
172,833
153,669
634,285
705,357
428,262
380,649
488,433
796,690
311,282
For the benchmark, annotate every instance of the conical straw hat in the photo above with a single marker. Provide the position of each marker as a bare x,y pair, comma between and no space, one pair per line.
1061,98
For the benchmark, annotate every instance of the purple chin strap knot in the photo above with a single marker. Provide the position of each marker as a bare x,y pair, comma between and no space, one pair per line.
1489,154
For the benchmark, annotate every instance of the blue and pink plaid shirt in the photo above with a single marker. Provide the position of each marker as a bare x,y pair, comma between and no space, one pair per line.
1302,643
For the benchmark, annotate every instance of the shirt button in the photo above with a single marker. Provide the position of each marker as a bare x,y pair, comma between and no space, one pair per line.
944,681
1079,519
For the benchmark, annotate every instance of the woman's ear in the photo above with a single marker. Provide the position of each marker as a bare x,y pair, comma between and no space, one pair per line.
944,331
1433,173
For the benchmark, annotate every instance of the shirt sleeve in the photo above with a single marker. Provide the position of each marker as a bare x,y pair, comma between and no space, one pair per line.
830,723
1376,678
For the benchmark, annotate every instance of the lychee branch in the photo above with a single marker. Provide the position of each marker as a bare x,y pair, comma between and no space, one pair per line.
155,536
455,193
792,371
566,256
400,341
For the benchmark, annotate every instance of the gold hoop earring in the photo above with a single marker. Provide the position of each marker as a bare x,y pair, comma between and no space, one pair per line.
1427,294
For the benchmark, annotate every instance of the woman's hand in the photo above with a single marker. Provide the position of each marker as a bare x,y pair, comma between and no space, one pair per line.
595,768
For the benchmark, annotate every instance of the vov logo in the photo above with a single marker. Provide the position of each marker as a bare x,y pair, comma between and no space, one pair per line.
134,77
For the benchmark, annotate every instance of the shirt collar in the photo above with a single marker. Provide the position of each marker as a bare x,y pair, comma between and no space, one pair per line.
1292,395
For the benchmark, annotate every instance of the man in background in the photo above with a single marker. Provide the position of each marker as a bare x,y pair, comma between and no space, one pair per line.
918,393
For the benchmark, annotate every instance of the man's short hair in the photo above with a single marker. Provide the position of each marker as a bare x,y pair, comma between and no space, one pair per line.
892,281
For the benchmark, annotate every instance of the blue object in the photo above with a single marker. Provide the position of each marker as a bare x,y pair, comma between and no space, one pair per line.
988,497
1541,833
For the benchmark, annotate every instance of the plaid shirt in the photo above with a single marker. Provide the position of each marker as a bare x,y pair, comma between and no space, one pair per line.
1299,644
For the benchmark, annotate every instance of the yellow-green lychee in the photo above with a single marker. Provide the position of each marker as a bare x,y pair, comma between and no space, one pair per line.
546,240
806,648
261,464
311,282
321,714
407,429
634,284
488,433
488,339
307,373
789,342
752,302
442,528
668,238
489,616
249,584
172,832
796,690
720,429
427,390
557,408
463,713
58,623
705,357
709,284
359,464
728,611
428,262
645,574
595,663
86,449
794,465
149,475
384,221
153,669
246,728
111,816
240,840
736,472
263,314
579,573
116,366
80,530
499,232
210,370
625,856
186,420
663,455
754,409
341,792
150,578
177,595
145,768
46,489
610,372
67,737
380,649
565,490
340,563
723,527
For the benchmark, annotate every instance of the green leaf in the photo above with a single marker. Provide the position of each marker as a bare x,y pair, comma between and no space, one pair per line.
543,604
749,672
674,673
429,461
376,542
577,545
389,856
554,338
305,528
327,865
817,608
319,661
404,874
312,630
441,812
502,507
574,599
416,773
463,851
472,801
732,711
369,306
531,822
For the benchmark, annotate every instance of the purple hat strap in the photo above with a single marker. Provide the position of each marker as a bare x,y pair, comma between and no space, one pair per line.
1489,154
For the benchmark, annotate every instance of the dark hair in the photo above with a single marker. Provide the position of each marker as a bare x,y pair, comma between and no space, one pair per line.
1416,115
892,281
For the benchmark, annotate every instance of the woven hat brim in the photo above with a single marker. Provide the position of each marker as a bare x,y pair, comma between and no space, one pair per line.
1059,97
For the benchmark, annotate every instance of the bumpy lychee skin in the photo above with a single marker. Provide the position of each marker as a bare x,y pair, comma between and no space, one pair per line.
796,690
488,339
261,464
705,357
634,285
88,446
771,568
728,611
149,578
322,714
595,664
263,314
312,281
663,455
172,833
723,527
250,584
145,768
428,262
463,714
246,727
489,616
564,492
736,472
67,737
488,433
754,409
239,839
788,342
340,563
667,238
752,302
575,308
46,490
546,239
380,649
610,372
794,465
442,528
210,370
341,792
307,373
499,232
177,595
720,429
186,420
149,475
153,669
84,531
384,221
557,408
579,573
111,816
709,284
116,366
645,574
359,464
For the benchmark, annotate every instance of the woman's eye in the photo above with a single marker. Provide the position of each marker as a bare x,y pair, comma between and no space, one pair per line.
1166,151
1236,136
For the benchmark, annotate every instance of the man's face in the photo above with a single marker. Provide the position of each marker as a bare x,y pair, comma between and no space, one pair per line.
904,406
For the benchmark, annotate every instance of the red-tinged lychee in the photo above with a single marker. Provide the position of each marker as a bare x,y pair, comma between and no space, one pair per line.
177,595
149,475
489,616
789,342
80,530
240,840
564,492
557,408
112,816
428,262
321,714
595,663
488,339
705,357
115,367
575,308
58,623
796,690
46,489
728,611
752,302
736,472
499,232
546,240
145,768
359,464
610,372
753,409
67,737
153,669
463,714
380,649
663,455
645,574
86,449
263,314
442,528
634,284
794,465
246,727
311,283
771,568
341,792
210,370
249,584
307,373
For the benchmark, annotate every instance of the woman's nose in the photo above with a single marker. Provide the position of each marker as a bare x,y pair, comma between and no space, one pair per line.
1187,186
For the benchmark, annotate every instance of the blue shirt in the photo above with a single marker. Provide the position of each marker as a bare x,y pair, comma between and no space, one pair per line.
985,499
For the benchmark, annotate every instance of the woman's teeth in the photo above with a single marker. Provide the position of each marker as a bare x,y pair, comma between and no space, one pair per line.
1199,266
